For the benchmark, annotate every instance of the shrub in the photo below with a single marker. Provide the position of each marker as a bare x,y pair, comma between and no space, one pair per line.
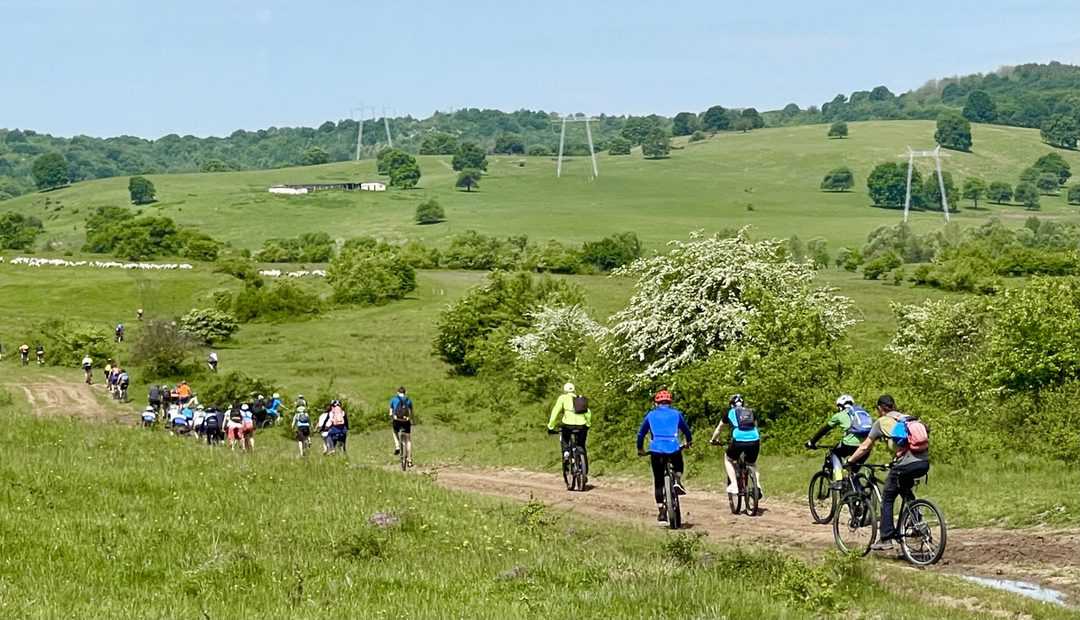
224,389
839,129
553,257
849,259
141,190
881,265
698,136
208,326
307,248
1027,195
163,349
419,255
1073,196
429,212
540,150
283,300
612,252
475,251
999,192
838,180
240,268
370,276
18,231
118,231
68,341
619,146
817,251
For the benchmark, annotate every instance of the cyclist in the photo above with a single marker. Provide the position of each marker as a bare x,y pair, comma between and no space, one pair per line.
301,401
855,424
401,412
88,369
122,382
183,393
40,355
247,427
212,361
212,426
302,423
911,461
148,417
119,332
272,410
24,354
664,423
745,442
139,314
153,397
571,412
234,427
337,422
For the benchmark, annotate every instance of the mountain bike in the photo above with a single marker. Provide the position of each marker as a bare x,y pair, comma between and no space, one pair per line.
820,495
575,466
921,530
745,501
855,520
402,438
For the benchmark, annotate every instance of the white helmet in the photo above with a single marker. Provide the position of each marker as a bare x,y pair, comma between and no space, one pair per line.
568,388
276,395
844,400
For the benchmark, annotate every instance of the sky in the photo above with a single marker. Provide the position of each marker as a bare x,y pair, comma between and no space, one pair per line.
124,67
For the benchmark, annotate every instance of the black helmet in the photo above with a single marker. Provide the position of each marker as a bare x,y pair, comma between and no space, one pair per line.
736,400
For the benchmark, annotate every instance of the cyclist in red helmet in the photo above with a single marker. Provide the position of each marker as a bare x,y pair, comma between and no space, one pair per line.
664,423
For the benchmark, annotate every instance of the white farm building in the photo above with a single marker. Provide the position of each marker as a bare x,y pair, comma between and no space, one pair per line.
307,188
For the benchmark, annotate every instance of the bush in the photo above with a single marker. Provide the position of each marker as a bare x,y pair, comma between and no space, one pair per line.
474,251
163,349
619,146
552,257
539,150
240,268
208,326
839,129
999,192
284,300
1027,195
141,190
117,231
419,255
224,389
370,276
698,136
881,265
838,180
68,341
430,212
307,248
18,231
612,252
1073,195
849,259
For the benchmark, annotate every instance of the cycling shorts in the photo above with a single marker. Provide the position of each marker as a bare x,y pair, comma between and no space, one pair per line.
402,426
749,450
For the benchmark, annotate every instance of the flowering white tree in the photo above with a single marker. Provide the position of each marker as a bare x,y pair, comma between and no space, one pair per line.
709,294
559,329
938,330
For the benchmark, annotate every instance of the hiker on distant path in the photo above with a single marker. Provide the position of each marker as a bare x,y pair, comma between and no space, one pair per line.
139,313
212,361
24,354
40,354
88,369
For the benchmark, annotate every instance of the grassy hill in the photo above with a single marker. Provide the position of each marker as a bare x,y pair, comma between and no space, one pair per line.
767,178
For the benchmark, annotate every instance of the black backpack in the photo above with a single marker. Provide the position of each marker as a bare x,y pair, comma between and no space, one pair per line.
745,419
581,404
403,409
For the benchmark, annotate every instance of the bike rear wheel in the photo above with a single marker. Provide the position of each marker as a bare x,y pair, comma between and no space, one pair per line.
734,501
674,517
854,524
579,469
821,498
747,493
923,533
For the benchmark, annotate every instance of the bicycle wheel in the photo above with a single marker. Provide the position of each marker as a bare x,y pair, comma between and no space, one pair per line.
579,470
923,533
747,492
854,524
404,456
821,498
567,475
671,501
734,501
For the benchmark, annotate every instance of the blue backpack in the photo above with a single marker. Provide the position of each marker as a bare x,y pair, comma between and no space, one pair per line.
860,421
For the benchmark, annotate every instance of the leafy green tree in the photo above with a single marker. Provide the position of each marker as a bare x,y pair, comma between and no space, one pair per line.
619,146
974,189
438,143
698,136
510,144
388,159
405,175
468,179
881,265
141,190
1060,130
541,150
370,275
1047,183
756,121
430,212
612,252
1030,175
207,325
684,124
838,129
999,192
637,129
1055,164
213,165
50,171
1027,195
953,132
657,144
980,107
314,156
18,231
887,185
838,180
469,155
163,349
932,191
743,124
881,93
715,119
1073,196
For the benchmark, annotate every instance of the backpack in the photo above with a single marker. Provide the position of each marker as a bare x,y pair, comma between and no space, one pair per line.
745,419
402,408
337,417
155,394
302,419
910,434
581,405
860,421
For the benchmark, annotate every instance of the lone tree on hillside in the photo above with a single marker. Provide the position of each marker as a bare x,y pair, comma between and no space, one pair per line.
141,190
887,185
743,124
999,192
468,179
619,146
953,132
656,145
974,189
980,107
838,130
1047,183
314,156
469,156
838,180
430,212
388,159
715,119
684,124
1027,195
756,121
1060,130
405,175
1073,197
50,171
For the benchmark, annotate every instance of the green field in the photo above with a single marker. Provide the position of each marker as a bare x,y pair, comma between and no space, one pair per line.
707,185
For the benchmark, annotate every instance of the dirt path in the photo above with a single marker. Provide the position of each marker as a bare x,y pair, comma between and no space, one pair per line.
55,397
1049,557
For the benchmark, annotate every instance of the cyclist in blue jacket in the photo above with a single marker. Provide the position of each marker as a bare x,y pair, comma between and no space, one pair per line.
664,423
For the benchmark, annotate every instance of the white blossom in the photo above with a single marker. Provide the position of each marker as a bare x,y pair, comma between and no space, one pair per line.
559,328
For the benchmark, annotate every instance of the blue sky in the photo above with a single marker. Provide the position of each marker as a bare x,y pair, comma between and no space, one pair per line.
114,67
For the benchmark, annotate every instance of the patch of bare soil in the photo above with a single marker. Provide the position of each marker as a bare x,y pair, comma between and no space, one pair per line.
55,397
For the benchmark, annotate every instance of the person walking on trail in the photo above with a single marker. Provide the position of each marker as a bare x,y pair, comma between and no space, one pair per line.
40,350
212,361
247,421
745,442
664,423
183,393
154,398
323,426
909,440
401,415
212,426
338,423
301,401
855,424
234,427
119,332
302,423
24,354
571,412
88,369
273,409
139,314
148,417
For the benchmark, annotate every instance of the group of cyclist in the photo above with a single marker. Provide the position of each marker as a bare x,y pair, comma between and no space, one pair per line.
906,437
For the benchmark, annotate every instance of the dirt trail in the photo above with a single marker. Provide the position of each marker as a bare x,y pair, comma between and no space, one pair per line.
55,397
1050,557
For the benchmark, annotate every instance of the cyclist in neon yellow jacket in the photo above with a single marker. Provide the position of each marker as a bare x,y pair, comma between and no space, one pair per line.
571,412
